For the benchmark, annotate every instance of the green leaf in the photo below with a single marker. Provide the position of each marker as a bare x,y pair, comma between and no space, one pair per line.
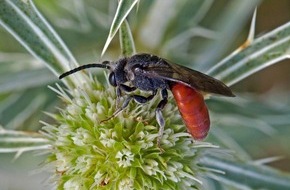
123,10
19,71
231,19
25,79
126,40
245,176
263,52
19,141
25,23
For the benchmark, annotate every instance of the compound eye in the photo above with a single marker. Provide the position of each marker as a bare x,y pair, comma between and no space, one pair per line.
112,79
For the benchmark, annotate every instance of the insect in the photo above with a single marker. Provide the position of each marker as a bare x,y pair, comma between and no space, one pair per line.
152,73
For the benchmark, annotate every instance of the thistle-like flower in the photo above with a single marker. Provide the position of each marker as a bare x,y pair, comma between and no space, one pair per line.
120,153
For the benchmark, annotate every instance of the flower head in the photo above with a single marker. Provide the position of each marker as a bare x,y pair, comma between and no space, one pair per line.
120,153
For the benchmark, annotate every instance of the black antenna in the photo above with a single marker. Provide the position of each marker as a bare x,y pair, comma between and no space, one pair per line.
82,68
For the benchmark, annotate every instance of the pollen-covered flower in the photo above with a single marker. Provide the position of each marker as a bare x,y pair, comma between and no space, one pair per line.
120,153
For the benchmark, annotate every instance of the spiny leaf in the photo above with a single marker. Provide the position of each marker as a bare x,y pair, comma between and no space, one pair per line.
263,52
124,8
25,79
246,176
19,141
22,20
228,24
126,40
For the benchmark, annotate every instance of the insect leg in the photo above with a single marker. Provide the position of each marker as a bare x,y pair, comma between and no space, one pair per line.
159,116
119,94
137,98
142,99
125,104
119,90
127,88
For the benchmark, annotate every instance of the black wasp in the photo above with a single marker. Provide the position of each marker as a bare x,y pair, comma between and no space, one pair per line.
152,73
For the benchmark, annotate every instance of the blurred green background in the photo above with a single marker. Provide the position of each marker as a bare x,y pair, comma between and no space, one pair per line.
165,28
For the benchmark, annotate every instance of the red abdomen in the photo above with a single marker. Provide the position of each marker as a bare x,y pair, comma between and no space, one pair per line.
193,110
